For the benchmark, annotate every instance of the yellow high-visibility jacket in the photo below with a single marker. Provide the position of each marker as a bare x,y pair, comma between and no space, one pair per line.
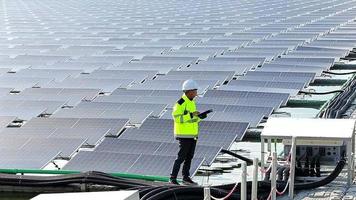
185,124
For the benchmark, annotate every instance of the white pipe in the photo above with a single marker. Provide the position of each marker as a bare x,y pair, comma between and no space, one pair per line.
254,179
273,176
207,193
292,167
243,181
262,155
349,163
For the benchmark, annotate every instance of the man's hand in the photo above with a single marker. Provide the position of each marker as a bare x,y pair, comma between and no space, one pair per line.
196,113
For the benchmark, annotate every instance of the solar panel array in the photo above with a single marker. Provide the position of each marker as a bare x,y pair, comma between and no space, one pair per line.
75,72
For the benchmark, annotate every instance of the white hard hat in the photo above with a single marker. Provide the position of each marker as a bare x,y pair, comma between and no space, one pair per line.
189,85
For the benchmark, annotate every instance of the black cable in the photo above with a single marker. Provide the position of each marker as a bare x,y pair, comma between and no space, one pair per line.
321,93
341,73
247,160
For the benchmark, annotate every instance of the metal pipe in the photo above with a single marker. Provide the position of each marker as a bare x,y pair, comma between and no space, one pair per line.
292,167
207,195
273,176
244,181
254,179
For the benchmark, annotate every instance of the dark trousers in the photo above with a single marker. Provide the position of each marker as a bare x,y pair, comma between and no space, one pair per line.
185,154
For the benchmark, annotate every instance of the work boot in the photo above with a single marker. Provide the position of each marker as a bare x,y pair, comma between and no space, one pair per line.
173,181
188,181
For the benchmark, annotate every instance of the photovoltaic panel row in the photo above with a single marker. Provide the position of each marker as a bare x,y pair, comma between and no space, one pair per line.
154,148
245,94
168,100
115,125
148,92
126,163
136,117
91,136
66,146
244,101
21,83
220,74
48,106
291,92
19,159
209,138
70,96
289,68
162,68
155,108
122,74
252,118
55,74
266,111
106,85
171,85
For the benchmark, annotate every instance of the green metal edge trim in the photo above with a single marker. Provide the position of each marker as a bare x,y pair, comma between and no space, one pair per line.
64,172
305,103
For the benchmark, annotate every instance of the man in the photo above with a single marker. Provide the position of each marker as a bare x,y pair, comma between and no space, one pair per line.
186,130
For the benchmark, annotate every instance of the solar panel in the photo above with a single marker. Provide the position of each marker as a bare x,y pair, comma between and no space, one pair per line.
56,74
220,78
117,98
291,92
19,159
4,91
156,109
122,74
106,85
67,146
268,84
160,165
115,60
92,136
13,142
172,85
128,146
209,153
252,118
115,125
6,120
297,40
289,68
23,113
122,91
266,111
204,67
87,94
101,161
162,68
148,135
245,94
170,58
20,83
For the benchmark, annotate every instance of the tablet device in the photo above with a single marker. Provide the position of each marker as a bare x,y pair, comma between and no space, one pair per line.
205,112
